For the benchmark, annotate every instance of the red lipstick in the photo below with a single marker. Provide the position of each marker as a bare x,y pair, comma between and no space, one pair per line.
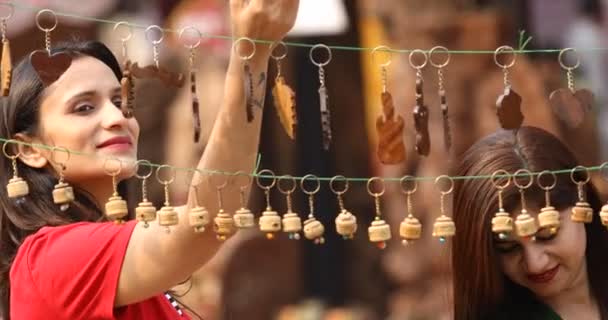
116,141
543,277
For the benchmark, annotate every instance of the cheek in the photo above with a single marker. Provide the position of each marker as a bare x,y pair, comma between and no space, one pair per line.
571,244
509,265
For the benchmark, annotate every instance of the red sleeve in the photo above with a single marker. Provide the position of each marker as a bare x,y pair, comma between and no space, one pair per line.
76,267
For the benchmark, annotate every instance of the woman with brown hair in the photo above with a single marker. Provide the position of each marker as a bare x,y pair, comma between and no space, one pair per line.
554,276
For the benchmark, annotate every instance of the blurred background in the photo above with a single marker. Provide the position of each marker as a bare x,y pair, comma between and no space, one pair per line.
295,280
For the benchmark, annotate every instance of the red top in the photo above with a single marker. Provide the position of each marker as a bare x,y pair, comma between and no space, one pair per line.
71,272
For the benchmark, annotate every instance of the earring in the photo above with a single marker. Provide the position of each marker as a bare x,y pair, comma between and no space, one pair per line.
410,229
313,228
49,67
548,218
379,231
323,96
223,223
6,64
508,105
346,222
502,223
167,216
270,221
145,211
283,96
444,227
196,120
421,111
447,136
582,211
292,224
17,188
63,193
525,224
127,87
116,207
198,216
604,211
243,218
248,84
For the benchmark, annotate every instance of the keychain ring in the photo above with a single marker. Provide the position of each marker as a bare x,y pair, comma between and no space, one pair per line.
53,15
402,184
218,173
272,178
312,58
443,50
450,189
333,181
242,174
411,59
130,29
369,186
193,29
524,172
139,164
505,49
11,12
501,172
236,48
549,187
190,177
54,160
13,157
560,59
603,167
160,180
294,184
275,45
580,168
109,172
310,177
385,49
152,27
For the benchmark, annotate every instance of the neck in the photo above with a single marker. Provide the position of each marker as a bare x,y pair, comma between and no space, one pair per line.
100,190
576,299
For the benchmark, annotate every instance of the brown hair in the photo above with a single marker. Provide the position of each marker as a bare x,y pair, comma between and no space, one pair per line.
480,289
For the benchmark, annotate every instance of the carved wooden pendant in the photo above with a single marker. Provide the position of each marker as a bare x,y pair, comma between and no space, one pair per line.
285,104
508,109
248,87
127,91
571,107
6,66
325,118
421,122
391,148
196,118
447,135
168,78
49,67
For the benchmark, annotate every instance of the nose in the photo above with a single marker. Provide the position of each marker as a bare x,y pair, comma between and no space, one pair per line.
535,258
112,116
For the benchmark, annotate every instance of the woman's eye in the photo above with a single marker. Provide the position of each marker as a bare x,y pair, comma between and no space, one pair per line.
117,101
546,234
506,247
83,108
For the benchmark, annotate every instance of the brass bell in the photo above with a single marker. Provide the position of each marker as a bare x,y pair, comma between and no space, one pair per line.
17,188
167,216
145,212
222,224
604,215
244,218
410,229
270,222
379,232
548,218
502,224
582,212
314,230
346,224
444,228
525,225
292,224
116,209
199,218
63,194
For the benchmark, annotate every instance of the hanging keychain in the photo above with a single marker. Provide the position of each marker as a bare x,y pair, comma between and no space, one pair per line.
502,223
346,222
49,67
196,119
63,193
17,188
270,221
116,207
443,101
127,86
508,105
569,104
525,225
604,211
379,231
444,227
248,84
155,71
6,63
223,223
284,97
323,96
548,218
410,229
582,211
243,217
421,111
389,126
167,216
198,216
313,228
145,211
292,223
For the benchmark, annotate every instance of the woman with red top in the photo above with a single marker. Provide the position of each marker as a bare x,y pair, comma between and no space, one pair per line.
70,264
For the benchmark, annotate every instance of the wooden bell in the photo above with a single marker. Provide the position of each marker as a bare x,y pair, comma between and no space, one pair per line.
314,230
199,218
582,212
270,222
167,216
243,218
116,209
548,218
443,228
63,194
502,224
292,224
17,188
6,68
222,224
346,224
379,232
604,215
410,229
525,225
145,212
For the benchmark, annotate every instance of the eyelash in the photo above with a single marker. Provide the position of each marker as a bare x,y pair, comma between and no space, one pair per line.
115,100
513,248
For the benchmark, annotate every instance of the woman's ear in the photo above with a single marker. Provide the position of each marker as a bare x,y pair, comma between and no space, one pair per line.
30,155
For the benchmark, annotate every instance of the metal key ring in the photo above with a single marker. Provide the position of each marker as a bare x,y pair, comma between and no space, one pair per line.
199,35
411,59
524,172
11,11
603,167
237,51
383,49
442,49
312,58
560,59
247,180
139,164
310,177
109,172
54,17
160,39
272,178
287,177
369,186
6,143
402,185
274,46
504,49
334,180
548,187
165,182
503,173
450,189
54,160
580,168
130,29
